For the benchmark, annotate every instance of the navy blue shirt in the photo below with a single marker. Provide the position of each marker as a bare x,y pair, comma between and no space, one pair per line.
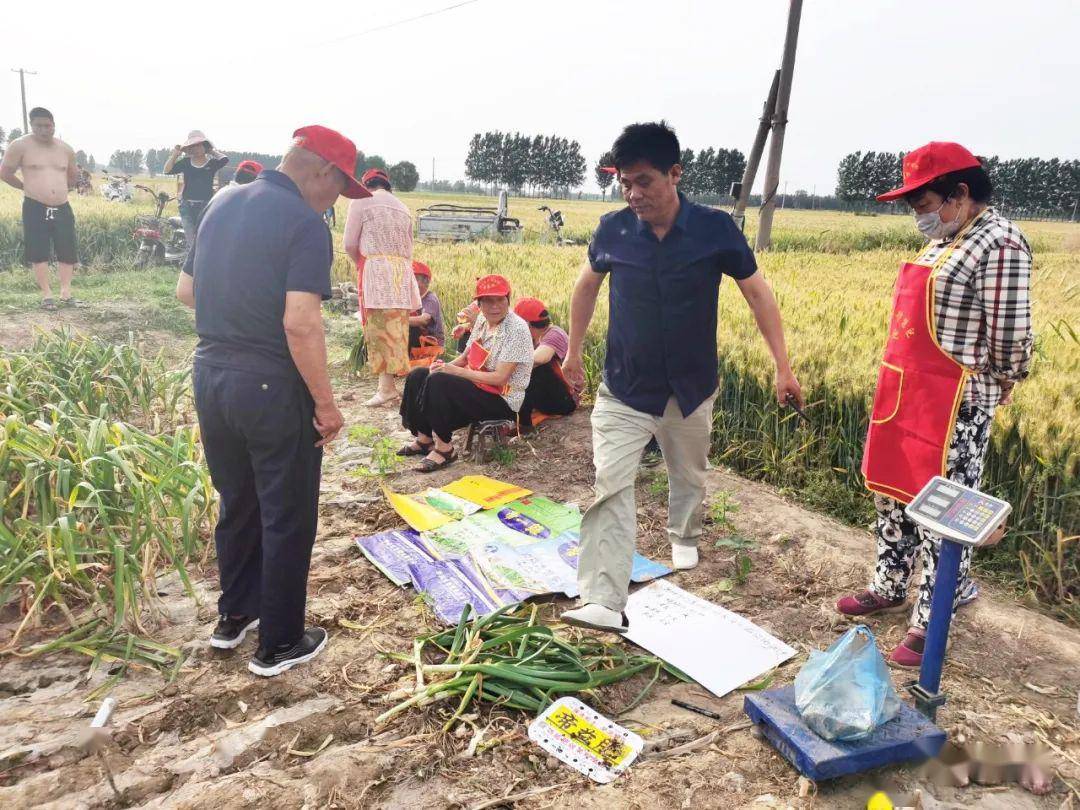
662,303
255,243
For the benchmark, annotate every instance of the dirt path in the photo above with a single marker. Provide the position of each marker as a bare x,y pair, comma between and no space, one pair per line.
218,737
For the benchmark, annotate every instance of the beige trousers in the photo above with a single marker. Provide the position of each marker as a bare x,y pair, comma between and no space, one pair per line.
609,526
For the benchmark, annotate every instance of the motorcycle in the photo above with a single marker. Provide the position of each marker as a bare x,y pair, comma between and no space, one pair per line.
555,222
117,187
160,238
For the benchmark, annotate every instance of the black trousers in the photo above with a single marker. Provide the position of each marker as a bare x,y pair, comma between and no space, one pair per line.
48,228
438,404
547,393
259,441
414,337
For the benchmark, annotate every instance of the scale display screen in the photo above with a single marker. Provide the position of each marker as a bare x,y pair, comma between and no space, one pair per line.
957,512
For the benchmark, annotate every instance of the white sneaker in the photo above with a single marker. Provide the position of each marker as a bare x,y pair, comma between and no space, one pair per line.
683,558
596,617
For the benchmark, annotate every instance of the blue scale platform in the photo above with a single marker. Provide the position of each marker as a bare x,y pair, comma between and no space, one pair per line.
909,736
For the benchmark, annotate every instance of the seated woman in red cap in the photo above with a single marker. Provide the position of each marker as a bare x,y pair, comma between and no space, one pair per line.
486,381
959,340
548,391
427,333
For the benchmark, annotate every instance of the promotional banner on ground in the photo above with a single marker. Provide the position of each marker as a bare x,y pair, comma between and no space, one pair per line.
526,546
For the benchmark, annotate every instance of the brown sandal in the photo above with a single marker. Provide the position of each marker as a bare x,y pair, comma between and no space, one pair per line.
429,466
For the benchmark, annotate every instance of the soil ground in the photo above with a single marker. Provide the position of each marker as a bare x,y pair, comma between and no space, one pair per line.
219,737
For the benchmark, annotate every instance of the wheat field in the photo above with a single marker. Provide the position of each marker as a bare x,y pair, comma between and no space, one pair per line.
832,273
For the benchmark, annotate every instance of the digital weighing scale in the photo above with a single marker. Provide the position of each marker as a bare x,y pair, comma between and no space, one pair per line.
961,516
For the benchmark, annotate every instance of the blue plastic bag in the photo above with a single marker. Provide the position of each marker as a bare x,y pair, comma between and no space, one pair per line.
845,692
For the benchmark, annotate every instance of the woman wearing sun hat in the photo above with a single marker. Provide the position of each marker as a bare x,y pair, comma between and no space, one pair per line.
198,167
959,339
486,381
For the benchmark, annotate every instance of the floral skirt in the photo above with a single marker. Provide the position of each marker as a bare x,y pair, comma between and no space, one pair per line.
387,336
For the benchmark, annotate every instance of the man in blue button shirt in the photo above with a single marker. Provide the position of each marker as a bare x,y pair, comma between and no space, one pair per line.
665,257
257,275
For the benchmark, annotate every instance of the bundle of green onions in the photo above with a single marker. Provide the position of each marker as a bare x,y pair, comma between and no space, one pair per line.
508,659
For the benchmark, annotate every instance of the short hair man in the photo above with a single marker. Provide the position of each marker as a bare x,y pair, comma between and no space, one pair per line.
48,170
256,276
665,257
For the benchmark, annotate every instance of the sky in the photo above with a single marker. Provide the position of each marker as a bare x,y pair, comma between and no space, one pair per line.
999,77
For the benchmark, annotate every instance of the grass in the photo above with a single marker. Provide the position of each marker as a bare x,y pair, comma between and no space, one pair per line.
832,274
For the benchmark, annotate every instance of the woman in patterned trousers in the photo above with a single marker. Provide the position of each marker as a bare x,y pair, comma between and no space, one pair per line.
959,339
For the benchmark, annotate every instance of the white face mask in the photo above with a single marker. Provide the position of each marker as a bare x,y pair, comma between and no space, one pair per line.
931,226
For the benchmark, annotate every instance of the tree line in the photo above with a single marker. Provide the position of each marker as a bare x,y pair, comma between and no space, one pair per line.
403,175
1020,184
708,173
523,162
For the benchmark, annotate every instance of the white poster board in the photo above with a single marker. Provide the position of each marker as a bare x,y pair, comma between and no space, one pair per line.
717,648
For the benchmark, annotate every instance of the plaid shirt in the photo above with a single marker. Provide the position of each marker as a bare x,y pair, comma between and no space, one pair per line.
982,302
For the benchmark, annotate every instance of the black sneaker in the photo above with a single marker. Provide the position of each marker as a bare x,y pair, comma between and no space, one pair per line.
652,455
229,633
273,662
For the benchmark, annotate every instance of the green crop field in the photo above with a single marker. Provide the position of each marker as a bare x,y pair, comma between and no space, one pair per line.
833,274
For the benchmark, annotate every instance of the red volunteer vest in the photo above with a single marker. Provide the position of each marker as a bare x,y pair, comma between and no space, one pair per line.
919,391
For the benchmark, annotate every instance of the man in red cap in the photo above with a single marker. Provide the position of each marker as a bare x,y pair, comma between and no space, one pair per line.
959,339
378,237
548,391
256,276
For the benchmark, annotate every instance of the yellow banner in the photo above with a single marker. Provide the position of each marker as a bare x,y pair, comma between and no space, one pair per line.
487,492
420,516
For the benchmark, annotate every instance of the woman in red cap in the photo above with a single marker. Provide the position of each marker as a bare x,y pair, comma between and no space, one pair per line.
959,339
378,237
426,324
486,381
246,172
548,391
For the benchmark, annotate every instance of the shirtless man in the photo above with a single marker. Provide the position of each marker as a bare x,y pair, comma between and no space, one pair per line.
48,170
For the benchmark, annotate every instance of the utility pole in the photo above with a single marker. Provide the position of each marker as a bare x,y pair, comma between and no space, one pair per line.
22,86
750,173
776,144
433,174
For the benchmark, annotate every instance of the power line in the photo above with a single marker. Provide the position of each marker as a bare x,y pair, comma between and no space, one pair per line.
396,24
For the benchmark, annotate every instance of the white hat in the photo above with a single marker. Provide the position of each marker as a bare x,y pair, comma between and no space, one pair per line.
195,137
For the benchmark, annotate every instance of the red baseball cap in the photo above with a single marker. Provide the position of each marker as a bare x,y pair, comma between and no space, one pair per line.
335,147
531,309
421,269
492,285
371,174
250,166
928,163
